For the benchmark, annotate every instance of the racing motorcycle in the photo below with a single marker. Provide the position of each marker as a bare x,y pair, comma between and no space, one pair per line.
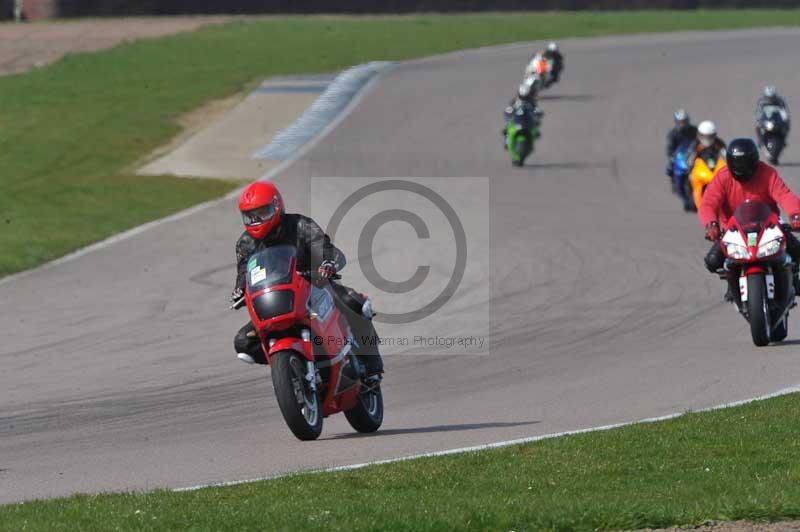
521,131
308,344
703,172
539,72
754,244
772,132
680,176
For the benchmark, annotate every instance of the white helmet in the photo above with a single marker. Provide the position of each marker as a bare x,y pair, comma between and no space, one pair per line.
553,47
707,133
770,92
524,90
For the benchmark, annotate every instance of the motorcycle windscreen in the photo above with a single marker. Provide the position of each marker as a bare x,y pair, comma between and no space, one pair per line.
751,215
270,267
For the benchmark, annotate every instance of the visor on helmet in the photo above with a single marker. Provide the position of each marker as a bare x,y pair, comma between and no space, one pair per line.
260,215
706,140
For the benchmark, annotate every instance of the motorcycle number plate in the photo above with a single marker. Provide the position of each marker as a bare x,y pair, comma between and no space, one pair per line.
770,286
743,288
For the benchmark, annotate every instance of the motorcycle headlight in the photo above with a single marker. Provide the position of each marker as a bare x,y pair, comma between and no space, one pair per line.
768,249
769,125
736,251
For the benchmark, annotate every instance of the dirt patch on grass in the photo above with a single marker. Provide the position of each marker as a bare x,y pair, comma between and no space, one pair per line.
738,526
25,46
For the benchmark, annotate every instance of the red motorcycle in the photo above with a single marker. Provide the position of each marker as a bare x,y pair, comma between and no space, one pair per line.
755,246
308,344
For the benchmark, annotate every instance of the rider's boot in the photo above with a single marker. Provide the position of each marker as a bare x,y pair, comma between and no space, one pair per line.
244,357
729,279
248,346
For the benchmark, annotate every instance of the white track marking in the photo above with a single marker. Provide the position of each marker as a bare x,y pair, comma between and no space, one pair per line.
487,446
336,97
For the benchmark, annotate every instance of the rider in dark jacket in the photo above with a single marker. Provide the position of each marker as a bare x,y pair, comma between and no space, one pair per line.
525,100
682,133
267,225
768,102
555,56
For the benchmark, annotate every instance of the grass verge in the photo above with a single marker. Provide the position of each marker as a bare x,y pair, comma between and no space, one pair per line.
737,463
69,131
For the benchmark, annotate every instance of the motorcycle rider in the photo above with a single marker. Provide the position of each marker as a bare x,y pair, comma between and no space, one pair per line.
682,133
746,178
553,54
707,145
767,104
526,101
267,224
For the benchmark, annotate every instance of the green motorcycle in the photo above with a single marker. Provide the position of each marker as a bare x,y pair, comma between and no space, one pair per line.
522,130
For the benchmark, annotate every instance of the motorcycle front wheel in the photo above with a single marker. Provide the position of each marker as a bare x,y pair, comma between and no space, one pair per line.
758,309
522,146
298,401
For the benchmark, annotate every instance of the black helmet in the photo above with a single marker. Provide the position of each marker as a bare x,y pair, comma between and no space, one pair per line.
742,158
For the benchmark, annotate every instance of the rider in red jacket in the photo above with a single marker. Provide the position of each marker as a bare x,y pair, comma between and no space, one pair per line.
746,178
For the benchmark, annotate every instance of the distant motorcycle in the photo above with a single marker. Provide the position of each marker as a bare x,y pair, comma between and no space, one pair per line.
680,176
540,72
754,244
312,379
772,132
521,131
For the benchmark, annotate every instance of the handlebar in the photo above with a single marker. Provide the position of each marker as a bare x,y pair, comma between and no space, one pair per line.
313,275
239,303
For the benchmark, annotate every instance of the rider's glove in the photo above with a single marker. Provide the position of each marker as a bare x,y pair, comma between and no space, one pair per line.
236,295
794,221
327,269
712,231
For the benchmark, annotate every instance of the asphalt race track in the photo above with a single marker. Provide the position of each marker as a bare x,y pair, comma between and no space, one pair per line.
117,370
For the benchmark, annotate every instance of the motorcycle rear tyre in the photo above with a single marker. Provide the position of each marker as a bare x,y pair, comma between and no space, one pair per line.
781,331
361,418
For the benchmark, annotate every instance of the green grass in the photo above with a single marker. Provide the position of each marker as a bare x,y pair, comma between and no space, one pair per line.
70,132
739,463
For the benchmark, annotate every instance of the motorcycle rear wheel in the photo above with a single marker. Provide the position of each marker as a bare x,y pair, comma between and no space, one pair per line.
367,415
781,330
758,309
299,403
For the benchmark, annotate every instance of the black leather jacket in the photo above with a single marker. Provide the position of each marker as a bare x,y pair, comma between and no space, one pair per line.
556,58
313,245
678,136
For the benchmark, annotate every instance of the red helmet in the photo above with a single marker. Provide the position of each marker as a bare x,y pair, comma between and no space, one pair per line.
261,206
